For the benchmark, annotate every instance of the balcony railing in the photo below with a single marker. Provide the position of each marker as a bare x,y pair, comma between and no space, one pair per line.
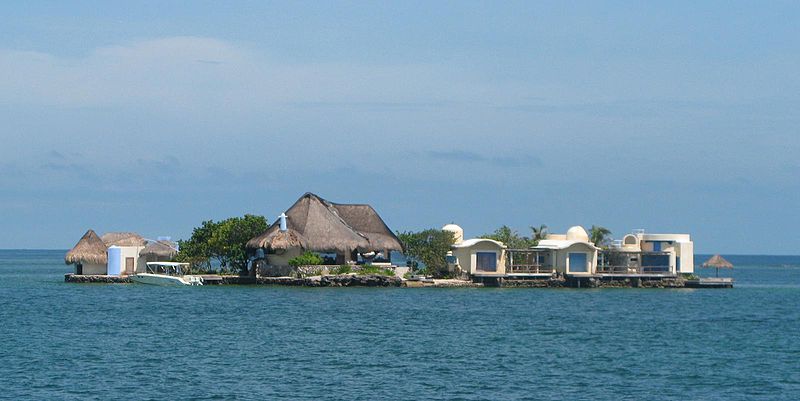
607,269
529,269
526,261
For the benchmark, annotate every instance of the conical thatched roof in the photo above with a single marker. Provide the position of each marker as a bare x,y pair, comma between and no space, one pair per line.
123,239
90,249
159,249
329,227
718,262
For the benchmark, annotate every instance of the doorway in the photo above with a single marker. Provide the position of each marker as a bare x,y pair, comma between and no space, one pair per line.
578,263
129,266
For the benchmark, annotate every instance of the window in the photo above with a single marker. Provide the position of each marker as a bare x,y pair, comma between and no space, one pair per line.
486,261
655,263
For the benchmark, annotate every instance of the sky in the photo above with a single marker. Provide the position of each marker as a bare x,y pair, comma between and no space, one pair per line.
674,117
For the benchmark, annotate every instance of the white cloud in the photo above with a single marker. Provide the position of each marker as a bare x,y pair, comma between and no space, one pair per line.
206,73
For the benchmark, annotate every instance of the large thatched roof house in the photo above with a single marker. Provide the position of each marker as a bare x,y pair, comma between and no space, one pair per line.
315,224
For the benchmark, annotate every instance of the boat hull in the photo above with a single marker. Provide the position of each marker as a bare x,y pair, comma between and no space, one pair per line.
160,279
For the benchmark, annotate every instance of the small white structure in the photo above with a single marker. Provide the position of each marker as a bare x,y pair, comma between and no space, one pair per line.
475,257
124,260
571,253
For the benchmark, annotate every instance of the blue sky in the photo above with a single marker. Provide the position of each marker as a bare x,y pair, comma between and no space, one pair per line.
673,117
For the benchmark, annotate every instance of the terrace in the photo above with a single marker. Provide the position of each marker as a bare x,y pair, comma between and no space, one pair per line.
620,262
527,262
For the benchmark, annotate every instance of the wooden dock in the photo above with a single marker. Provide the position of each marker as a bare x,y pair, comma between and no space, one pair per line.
710,282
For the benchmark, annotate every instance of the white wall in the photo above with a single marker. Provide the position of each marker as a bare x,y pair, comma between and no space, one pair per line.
467,258
131,252
686,252
92,269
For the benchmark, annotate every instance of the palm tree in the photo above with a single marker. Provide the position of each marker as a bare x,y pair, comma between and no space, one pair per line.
539,234
599,235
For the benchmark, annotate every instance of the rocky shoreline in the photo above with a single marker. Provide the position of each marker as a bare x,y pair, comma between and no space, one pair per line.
596,282
75,278
374,280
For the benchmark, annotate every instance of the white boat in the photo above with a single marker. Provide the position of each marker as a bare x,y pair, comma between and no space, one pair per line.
166,273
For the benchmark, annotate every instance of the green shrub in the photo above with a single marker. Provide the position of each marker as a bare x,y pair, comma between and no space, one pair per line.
306,259
372,269
343,269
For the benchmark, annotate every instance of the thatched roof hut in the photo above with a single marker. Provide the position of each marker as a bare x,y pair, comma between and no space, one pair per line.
90,249
159,250
123,239
318,225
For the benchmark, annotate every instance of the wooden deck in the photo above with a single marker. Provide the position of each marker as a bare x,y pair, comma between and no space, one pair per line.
710,282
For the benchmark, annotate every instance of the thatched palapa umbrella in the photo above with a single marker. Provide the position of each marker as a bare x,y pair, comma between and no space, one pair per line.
90,249
718,262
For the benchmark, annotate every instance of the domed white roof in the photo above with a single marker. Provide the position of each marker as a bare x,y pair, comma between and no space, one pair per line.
458,232
453,228
577,233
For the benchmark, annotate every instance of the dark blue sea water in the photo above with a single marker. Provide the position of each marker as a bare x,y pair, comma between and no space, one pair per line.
96,341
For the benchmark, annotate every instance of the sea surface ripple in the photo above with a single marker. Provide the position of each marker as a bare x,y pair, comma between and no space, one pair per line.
116,341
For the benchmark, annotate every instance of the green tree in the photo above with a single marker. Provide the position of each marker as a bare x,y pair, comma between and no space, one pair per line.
223,241
601,236
428,247
510,238
196,249
539,234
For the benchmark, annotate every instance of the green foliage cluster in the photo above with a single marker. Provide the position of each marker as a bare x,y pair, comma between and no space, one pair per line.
223,241
429,248
600,236
372,269
308,258
342,269
510,238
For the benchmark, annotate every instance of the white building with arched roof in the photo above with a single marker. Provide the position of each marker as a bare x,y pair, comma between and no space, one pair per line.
571,253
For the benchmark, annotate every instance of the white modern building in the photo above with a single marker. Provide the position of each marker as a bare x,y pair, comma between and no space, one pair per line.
570,254
649,254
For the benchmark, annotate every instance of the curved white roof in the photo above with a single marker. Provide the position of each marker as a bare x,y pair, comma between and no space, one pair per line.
577,233
473,241
452,227
561,244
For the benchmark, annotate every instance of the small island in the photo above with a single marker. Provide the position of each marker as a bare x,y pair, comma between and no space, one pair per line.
318,243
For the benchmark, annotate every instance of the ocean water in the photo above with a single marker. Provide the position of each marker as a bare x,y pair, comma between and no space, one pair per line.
114,341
